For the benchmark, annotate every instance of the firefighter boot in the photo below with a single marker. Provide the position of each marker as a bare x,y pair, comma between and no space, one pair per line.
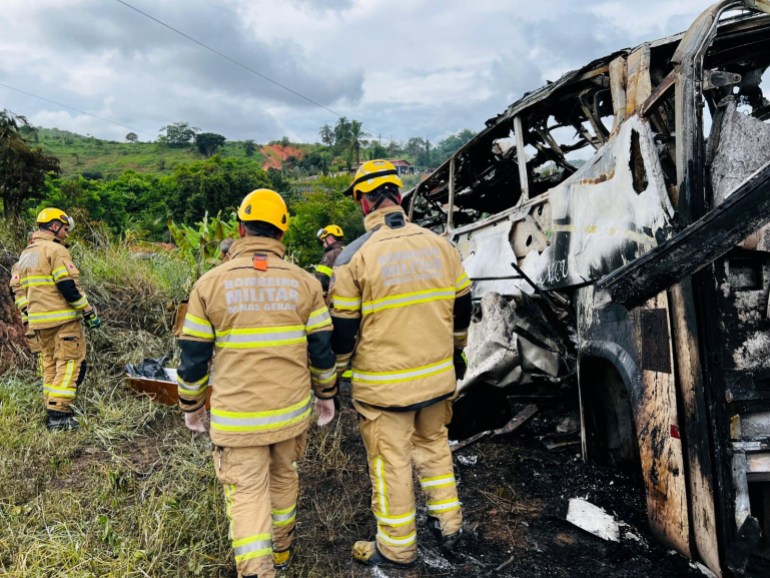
446,542
282,559
368,553
61,421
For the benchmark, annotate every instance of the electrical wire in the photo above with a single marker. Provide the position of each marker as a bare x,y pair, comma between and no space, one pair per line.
75,109
229,59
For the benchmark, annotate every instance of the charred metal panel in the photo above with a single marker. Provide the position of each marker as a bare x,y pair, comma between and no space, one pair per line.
656,345
695,432
600,221
745,211
615,334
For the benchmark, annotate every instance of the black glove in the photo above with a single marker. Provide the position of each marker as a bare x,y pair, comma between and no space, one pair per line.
461,363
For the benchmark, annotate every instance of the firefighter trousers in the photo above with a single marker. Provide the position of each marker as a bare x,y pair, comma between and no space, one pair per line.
62,358
395,440
260,485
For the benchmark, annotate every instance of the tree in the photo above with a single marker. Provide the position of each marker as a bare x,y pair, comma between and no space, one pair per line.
348,140
249,147
212,185
208,143
179,134
131,137
327,135
450,145
23,169
327,204
415,147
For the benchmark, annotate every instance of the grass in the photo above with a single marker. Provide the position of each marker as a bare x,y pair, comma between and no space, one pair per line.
133,493
88,155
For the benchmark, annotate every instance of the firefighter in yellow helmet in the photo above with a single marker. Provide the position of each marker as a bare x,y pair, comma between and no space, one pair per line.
271,329
45,287
331,237
401,307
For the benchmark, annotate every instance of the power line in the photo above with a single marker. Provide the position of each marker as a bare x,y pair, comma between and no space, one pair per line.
218,53
75,109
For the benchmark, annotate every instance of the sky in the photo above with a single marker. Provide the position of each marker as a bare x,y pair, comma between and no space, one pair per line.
285,68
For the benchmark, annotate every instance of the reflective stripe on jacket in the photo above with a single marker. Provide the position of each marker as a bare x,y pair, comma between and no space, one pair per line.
269,332
44,263
401,284
323,271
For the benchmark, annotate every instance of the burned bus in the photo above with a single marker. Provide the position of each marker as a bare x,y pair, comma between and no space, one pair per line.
615,225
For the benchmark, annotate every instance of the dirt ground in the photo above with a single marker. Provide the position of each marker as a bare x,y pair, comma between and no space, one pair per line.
515,495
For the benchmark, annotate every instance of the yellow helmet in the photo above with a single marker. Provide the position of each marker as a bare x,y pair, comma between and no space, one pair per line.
372,175
51,214
265,205
335,230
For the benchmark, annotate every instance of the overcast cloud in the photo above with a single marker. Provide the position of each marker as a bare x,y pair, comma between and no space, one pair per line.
404,68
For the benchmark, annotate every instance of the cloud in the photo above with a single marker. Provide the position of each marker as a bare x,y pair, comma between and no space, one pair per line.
405,68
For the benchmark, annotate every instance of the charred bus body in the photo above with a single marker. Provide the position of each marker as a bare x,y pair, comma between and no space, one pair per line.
614,222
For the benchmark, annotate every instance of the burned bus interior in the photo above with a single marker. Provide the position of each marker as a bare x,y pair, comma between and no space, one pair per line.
614,224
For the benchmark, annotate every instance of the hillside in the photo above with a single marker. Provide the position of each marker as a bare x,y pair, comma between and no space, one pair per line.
95,158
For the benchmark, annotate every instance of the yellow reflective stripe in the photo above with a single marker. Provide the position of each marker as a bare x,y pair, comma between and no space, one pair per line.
260,420
444,505
438,481
386,377
318,318
394,521
63,393
64,390
194,388
252,547
381,485
197,327
21,302
68,374
323,376
346,303
249,337
37,280
59,272
324,270
407,540
284,517
53,315
81,303
462,282
407,299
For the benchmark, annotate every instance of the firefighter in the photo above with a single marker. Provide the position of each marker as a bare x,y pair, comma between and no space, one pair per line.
401,307
45,287
272,332
331,237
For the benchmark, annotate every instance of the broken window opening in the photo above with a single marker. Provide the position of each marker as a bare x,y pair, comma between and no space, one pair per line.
636,164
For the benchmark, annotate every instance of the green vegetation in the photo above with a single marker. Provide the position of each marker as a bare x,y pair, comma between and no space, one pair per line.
133,189
93,158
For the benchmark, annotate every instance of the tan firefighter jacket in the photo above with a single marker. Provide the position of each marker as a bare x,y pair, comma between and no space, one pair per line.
323,271
264,322
393,300
45,283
